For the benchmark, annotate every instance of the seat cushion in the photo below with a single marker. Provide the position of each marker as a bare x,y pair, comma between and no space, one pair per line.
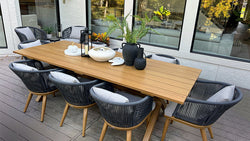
223,95
165,59
24,67
31,44
169,110
76,32
27,32
64,77
110,96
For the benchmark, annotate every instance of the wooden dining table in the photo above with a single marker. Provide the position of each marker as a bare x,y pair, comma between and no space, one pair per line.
159,79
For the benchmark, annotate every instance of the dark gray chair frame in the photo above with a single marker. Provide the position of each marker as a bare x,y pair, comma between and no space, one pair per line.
37,82
207,112
76,95
66,32
38,33
122,116
167,56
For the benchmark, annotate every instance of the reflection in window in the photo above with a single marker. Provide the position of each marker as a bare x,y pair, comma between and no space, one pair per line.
170,13
40,14
99,9
2,35
223,28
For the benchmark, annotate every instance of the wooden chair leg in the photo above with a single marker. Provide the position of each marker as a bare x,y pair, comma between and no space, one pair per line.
129,135
28,102
38,98
171,121
54,94
210,132
165,129
84,120
104,128
203,134
43,107
64,113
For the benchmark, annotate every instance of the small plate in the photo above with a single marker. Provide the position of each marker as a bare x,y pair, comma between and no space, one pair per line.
116,61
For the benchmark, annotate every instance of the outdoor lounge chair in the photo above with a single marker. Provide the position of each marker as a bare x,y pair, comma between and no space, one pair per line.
197,112
72,33
122,116
36,81
28,33
175,61
76,95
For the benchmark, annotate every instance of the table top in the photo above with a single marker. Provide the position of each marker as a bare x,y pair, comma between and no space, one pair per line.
160,79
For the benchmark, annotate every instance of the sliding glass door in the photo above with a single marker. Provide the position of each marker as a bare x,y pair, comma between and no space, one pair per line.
2,32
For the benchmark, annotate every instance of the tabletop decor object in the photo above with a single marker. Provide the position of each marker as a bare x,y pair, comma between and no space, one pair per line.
85,40
116,61
140,62
130,48
73,50
101,54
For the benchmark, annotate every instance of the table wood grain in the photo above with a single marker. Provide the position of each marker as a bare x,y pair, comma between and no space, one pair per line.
159,79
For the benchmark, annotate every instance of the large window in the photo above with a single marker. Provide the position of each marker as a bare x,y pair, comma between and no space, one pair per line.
99,9
2,35
170,13
39,13
222,29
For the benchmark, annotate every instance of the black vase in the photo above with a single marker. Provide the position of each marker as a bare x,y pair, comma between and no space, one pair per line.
129,53
140,62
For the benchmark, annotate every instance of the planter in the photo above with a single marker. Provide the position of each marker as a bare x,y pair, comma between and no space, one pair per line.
49,36
129,53
140,61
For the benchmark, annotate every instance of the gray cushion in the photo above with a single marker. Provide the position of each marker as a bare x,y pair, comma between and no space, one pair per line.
27,32
24,67
64,77
164,59
110,96
76,32
223,95
31,44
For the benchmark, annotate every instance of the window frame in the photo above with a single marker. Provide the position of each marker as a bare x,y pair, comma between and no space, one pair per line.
6,47
210,54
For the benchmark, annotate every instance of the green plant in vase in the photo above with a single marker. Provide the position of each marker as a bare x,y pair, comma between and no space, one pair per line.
130,48
49,31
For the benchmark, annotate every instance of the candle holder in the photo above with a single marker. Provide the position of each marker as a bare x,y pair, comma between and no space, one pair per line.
86,41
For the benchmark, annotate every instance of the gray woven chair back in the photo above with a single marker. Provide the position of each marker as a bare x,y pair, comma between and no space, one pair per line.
66,32
35,81
197,110
75,93
167,56
122,114
38,33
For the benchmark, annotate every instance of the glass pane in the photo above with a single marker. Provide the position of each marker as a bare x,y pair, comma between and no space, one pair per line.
2,35
38,13
223,28
99,10
170,13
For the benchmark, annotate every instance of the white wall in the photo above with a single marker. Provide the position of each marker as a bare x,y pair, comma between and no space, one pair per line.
72,13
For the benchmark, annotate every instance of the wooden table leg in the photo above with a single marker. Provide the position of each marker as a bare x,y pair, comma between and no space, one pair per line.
38,98
152,121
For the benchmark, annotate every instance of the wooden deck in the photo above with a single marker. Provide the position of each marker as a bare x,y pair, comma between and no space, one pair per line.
15,125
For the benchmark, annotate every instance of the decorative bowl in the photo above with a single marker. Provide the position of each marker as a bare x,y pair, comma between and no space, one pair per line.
101,54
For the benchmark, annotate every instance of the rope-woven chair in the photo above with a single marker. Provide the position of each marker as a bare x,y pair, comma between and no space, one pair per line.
199,113
38,33
37,82
167,56
122,116
66,32
76,95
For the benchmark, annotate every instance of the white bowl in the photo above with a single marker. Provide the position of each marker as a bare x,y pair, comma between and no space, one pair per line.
101,54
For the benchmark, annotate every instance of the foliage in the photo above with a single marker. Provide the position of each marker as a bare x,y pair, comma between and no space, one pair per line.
48,29
131,36
218,9
100,37
162,12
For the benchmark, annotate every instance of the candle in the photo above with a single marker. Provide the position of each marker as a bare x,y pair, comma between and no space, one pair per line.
86,49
